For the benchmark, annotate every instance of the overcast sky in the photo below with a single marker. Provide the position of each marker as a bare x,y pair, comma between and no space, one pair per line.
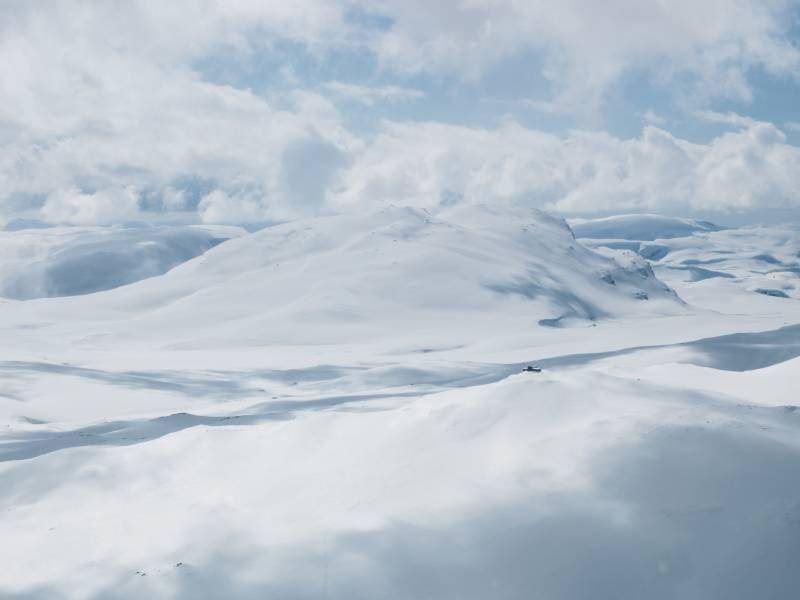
245,111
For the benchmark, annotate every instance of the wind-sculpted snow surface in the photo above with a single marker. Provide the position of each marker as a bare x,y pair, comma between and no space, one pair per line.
38,263
337,408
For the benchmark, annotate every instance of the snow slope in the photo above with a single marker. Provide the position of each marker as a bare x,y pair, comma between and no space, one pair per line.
639,227
385,274
335,408
731,264
36,263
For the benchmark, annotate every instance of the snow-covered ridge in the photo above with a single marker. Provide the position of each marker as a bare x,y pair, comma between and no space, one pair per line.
387,273
754,259
340,404
639,227
70,261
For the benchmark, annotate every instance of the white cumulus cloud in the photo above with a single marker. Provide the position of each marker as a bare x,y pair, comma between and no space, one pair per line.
108,113
589,45
369,95
72,207
430,164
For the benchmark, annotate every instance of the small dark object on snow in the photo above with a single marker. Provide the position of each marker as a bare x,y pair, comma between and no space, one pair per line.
532,369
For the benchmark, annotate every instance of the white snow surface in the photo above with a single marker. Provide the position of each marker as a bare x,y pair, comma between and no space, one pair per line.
69,261
639,227
336,408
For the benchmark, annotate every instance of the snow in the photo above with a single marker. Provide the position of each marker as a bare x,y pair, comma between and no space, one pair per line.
639,227
73,261
336,408
763,260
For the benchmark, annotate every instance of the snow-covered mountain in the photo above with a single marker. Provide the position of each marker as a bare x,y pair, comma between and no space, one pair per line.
61,261
639,227
755,259
377,275
336,408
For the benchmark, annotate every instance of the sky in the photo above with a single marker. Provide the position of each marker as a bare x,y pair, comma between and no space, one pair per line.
251,112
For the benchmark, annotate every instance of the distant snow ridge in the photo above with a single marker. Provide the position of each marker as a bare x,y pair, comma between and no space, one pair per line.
757,259
471,271
640,227
37,263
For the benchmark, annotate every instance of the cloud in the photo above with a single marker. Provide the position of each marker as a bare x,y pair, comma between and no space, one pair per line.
588,46
104,207
98,99
109,114
653,118
749,169
429,164
308,167
433,165
729,118
371,95
219,207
